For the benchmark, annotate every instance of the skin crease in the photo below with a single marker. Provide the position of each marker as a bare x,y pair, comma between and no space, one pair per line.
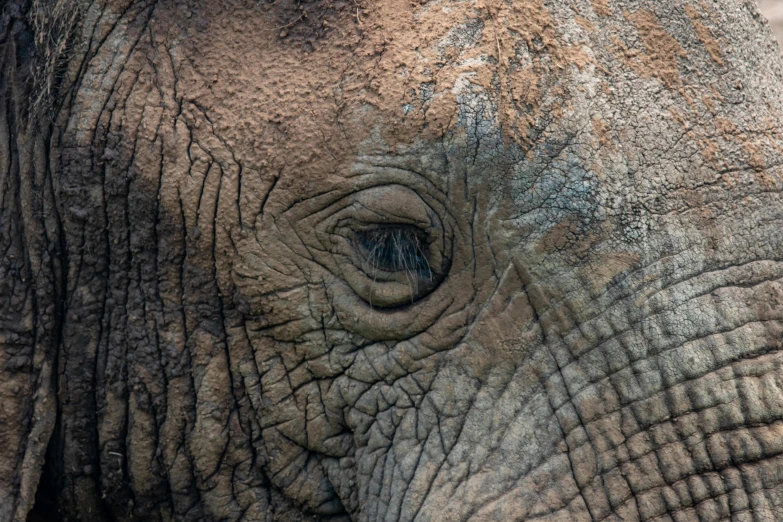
599,188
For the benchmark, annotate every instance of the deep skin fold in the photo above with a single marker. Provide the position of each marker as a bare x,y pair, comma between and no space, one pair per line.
601,181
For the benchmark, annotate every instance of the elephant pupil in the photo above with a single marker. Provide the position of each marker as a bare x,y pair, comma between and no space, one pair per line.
396,249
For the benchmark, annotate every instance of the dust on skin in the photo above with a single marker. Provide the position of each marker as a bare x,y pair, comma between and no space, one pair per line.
661,50
403,66
602,268
660,60
719,139
601,130
601,7
586,24
534,22
725,131
729,131
705,35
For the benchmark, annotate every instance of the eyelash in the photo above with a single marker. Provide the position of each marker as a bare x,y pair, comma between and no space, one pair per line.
396,249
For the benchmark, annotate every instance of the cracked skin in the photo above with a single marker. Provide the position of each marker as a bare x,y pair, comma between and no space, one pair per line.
483,260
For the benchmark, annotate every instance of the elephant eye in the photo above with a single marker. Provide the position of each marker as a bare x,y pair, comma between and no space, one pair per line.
396,249
393,260
390,245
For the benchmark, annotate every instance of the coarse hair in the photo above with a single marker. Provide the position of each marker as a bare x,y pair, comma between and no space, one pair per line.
35,41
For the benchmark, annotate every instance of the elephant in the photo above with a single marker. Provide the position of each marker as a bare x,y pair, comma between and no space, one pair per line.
353,260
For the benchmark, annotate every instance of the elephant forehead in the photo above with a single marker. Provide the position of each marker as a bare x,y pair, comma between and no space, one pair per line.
555,116
585,92
380,79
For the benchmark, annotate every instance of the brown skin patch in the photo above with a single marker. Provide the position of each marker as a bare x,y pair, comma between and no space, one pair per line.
709,103
601,130
661,50
710,151
535,23
520,96
755,155
727,136
524,93
705,35
601,7
753,150
586,24
559,237
604,267
725,126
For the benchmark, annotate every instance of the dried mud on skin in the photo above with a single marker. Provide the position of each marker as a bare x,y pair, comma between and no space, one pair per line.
391,261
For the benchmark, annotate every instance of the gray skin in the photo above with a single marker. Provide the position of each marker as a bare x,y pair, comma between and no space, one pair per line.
450,261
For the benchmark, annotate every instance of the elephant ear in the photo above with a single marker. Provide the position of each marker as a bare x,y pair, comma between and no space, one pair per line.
30,264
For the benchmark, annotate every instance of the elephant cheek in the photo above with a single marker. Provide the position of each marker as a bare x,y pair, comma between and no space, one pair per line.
505,331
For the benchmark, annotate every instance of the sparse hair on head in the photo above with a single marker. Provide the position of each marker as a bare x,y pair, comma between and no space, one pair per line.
36,35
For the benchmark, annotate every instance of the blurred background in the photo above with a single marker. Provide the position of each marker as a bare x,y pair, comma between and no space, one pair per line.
773,10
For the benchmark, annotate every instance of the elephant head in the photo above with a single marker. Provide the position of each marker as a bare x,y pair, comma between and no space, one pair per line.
392,261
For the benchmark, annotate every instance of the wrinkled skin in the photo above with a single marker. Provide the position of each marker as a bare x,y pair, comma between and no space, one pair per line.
591,329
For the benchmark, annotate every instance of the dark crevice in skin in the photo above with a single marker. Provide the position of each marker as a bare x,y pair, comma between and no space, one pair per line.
563,382
45,505
638,321
239,193
222,319
443,462
268,193
186,356
159,417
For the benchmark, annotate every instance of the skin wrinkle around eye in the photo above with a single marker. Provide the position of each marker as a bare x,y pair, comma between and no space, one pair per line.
313,223
345,200
369,172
